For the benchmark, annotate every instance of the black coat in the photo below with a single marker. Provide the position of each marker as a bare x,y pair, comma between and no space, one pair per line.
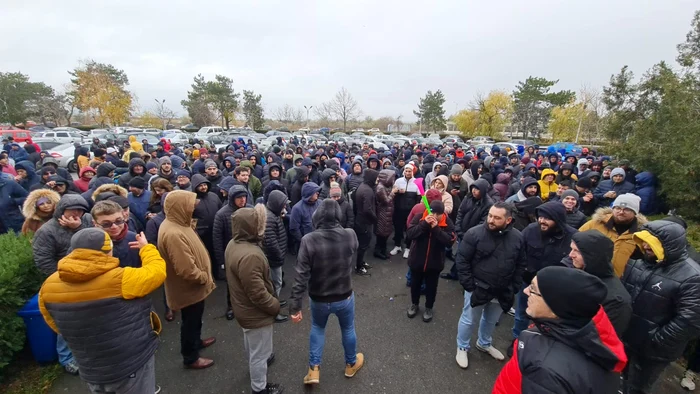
295,193
665,297
490,264
205,211
348,219
275,241
365,204
222,233
428,246
473,212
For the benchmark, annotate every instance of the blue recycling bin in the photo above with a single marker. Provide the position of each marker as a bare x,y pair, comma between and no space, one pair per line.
42,339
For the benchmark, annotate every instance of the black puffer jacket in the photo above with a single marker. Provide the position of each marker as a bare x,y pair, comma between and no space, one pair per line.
473,212
295,194
205,211
428,246
490,264
126,178
665,296
222,233
326,183
348,219
365,203
597,252
275,241
546,249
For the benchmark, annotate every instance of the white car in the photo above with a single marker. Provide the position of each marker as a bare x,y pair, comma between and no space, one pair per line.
64,153
374,130
61,134
481,140
304,130
177,137
210,130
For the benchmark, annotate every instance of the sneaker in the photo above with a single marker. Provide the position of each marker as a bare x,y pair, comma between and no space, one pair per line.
462,358
366,266
511,312
313,376
428,315
271,388
351,370
688,381
362,272
448,276
395,251
412,311
72,368
405,253
492,351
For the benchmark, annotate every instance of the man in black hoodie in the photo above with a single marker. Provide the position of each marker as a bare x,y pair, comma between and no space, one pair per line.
208,204
302,177
546,242
592,252
365,207
137,168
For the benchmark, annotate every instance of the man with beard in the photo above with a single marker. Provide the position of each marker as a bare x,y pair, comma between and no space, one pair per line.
288,160
574,217
490,263
546,242
365,208
165,171
355,178
213,175
607,191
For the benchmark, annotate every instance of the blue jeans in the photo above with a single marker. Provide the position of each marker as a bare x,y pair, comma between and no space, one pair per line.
521,319
320,311
488,315
65,356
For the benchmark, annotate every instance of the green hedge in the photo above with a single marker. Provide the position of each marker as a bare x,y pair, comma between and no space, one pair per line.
19,281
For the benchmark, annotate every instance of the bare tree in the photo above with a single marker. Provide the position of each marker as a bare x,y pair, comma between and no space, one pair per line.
284,114
344,107
324,112
298,115
164,113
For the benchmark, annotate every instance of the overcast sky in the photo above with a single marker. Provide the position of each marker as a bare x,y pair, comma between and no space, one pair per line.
386,53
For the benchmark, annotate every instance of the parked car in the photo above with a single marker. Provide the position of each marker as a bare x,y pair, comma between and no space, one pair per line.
61,134
210,130
39,129
524,143
452,140
374,130
20,136
65,154
96,133
485,147
568,147
481,140
189,128
507,147
177,138
47,145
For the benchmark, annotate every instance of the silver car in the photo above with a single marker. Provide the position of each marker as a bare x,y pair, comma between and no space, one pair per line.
65,154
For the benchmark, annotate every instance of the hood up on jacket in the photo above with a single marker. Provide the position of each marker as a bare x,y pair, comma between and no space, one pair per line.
482,185
70,201
179,207
548,171
302,172
503,178
272,186
84,170
597,252
441,178
110,187
474,168
326,175
328,215
248,224
136,162
527,182
272,165
387,178
671,237
276,202
370,177
198,179
643,179
556,211
237,191
308,190
29,209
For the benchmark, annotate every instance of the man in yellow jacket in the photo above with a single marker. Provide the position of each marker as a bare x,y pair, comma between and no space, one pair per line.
547,183
104,314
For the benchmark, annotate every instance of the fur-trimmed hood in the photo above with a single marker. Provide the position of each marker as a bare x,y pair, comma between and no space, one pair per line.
110,187
603,215
29,208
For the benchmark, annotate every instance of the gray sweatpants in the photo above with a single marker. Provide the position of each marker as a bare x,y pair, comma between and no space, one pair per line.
140,382
276,276
258,345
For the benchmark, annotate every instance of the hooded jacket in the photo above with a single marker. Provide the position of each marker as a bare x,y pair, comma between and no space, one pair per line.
295,195
267,178
247,271
325,259
205,211
118,331
546,249
445,196
597,252
12,197
608,185
404,202
31,179
547,187
275,240
501,185
602,220
82,183
34,218
348,215
473,212
189,279
665,295
126,178
355,180
385,203
490,264
326,183
429,243
646,190
221,234
52,241
554,357
365,202
300,219
520,195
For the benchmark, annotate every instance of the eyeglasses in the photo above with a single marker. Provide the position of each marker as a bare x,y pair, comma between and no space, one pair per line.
625,210
532,291
108,225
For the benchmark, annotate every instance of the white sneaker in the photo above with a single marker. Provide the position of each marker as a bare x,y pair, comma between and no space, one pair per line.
492,351
395,251
511,312
405,253
462,358
688,381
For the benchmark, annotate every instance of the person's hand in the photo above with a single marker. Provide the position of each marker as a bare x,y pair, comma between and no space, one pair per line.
140,241
610,194
588,197
51,184
70,222
431,220
150,216
395,190
454,192
18,178
296,318
402,191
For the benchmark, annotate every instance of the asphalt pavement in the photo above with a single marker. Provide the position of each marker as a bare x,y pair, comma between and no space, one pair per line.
402,355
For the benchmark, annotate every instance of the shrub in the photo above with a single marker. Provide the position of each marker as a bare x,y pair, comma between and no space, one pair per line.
19,281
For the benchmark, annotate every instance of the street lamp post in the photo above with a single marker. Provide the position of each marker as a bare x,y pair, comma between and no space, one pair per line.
307,114
162,111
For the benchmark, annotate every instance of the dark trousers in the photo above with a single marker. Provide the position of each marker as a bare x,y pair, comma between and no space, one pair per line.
380,244
640,374
191,332
694,360
400,218
431,283
364,237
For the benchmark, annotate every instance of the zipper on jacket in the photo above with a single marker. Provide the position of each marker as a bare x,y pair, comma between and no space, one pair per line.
427,254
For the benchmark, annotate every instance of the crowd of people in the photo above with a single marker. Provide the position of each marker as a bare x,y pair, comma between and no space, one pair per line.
561,241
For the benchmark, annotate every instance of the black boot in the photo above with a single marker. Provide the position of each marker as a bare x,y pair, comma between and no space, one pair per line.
272,388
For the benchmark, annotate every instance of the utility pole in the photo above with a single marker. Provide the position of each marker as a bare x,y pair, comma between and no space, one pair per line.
307,114
162,111
580,120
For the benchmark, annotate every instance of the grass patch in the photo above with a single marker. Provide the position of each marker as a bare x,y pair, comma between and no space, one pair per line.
25,376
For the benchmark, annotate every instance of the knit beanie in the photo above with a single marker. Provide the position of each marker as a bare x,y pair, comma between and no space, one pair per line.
582,162
571,294
617,171
195,154
584,182
210,163
165,160
335,190
150,165
569,193
184,173
628,200
456,170
437,206
137,182
92,238
433,195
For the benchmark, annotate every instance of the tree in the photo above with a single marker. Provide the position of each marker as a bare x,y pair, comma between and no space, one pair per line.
150,119
100,91
430,112
467,122
344,107
17,94
56,108
163,113
495,112
533,103
252,109
565,121
216,96
324,112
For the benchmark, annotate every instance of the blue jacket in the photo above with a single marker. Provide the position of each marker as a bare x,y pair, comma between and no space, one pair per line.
127,257
19,154
12,197
646,190
139,206
300,221
608,185
32,177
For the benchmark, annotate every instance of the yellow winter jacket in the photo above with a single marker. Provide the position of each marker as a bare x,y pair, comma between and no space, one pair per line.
545,187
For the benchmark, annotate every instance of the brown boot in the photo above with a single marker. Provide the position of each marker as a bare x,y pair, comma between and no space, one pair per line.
201,363
313,376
